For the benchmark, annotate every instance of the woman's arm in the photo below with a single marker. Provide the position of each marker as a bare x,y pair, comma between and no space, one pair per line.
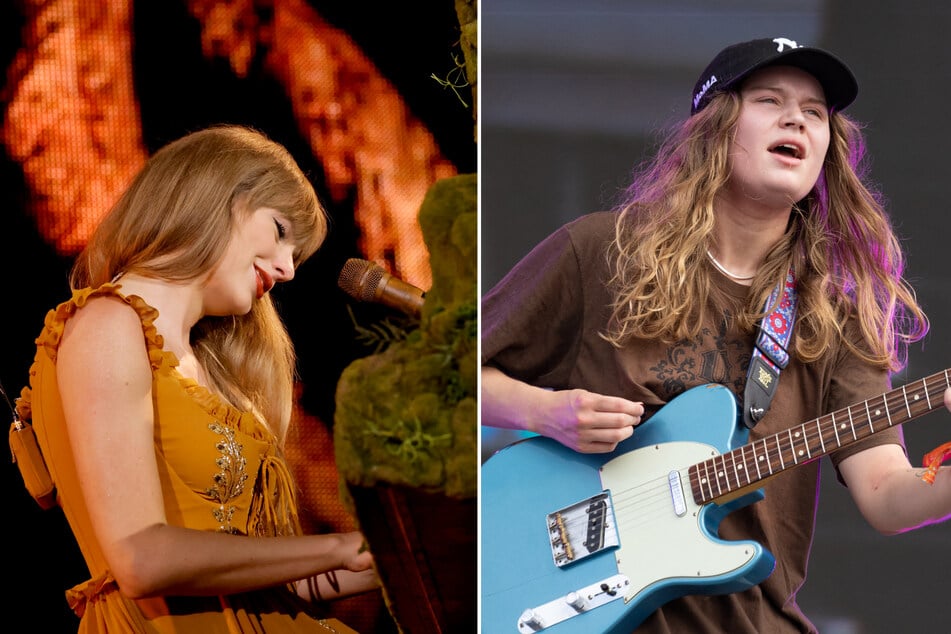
579,419
106,386
890,492
337,584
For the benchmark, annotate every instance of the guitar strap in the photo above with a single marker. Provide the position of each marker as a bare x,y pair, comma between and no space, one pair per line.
770,354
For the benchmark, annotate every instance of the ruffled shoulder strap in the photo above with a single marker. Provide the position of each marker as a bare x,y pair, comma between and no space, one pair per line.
162,361
56,320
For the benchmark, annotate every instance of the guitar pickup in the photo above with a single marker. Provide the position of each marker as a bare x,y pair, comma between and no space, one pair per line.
582,529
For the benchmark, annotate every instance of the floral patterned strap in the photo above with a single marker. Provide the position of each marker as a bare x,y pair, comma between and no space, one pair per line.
770,354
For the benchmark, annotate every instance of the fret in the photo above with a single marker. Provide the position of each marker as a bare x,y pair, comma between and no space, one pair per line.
726,471
712,477
696,482
884,407
805,441
743,469
698,492
756,459
706,478
744,466
696,486
905,396
913,401
736,473
916,401
703,481
718,475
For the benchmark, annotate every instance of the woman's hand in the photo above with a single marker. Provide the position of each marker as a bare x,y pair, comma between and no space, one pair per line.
358,557
581,420
588,422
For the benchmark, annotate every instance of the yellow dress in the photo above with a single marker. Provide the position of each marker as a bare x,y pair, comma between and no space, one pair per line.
220,470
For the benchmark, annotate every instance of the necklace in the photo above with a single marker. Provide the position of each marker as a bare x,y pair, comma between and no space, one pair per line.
722,269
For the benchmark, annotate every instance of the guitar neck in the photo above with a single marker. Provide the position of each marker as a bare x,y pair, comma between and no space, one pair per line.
725,475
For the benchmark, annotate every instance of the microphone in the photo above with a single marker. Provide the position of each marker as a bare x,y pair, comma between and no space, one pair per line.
368,282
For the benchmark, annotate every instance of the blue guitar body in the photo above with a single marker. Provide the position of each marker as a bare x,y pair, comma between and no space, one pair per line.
560,557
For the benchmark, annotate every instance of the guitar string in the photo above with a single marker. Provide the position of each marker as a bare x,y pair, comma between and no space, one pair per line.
731,468
889,405
644,503
626,501
653,504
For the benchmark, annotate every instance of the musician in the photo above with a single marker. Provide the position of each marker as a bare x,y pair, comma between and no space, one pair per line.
618,312
161,393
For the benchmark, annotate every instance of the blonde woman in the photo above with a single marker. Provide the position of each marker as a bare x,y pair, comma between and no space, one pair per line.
161,394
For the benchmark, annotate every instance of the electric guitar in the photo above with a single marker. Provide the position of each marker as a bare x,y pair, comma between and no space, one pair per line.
589,543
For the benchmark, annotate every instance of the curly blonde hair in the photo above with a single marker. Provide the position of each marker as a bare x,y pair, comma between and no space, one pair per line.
174,222
840,243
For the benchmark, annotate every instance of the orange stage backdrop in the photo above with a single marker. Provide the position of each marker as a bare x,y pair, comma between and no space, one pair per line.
93,86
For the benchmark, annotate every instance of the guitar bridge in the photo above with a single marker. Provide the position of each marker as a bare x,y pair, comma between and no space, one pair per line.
582,529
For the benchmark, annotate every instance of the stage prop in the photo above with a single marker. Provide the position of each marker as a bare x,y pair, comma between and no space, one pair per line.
405,433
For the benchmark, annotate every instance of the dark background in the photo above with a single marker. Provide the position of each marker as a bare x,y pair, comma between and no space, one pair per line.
179,91
572,93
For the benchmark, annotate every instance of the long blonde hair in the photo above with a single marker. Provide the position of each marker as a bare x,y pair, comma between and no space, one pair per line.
840,243
174,222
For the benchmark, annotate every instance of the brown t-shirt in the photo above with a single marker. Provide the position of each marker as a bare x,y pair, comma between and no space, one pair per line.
541,324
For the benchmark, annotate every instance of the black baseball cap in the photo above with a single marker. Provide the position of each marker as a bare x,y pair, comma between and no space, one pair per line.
734,63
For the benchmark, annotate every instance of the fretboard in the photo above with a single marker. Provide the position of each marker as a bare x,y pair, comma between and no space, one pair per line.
745,466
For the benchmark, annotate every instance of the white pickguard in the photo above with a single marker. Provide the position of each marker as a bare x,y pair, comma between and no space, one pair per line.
656,544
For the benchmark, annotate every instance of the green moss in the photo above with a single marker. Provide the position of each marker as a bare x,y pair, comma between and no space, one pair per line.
406,415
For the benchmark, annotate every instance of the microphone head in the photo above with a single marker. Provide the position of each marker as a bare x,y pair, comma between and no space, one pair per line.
360,279
369,282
